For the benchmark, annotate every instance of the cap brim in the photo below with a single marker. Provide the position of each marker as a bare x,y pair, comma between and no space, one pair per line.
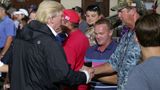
114,8
18,12
119,7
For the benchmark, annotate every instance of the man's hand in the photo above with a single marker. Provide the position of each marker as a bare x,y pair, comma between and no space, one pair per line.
90,71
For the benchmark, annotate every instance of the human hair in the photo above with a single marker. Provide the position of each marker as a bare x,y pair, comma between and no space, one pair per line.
48,9
32,7
4,7
78,9
140,11
74,25
148,30
105,21
33,11
25,18
94,8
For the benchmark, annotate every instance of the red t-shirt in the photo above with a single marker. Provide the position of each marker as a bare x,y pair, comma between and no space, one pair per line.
75,47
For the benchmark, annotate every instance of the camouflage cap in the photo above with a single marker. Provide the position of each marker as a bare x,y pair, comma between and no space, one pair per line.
122,5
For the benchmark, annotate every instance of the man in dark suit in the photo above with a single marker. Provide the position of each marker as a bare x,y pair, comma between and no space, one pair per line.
38,61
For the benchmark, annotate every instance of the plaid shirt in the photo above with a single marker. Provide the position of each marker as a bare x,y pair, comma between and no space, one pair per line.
125,57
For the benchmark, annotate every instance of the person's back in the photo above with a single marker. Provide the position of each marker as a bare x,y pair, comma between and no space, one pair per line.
145,76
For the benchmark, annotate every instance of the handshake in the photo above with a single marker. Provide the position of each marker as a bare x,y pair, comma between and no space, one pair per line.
89,71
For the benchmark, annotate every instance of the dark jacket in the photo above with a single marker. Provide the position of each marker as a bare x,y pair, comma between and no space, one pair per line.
38,62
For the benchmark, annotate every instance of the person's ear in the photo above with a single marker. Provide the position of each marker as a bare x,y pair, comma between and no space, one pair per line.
49,20
132,11
111,32
136,39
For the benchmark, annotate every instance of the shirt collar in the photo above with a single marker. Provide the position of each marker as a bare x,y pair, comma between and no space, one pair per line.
4,18
109,47
52,30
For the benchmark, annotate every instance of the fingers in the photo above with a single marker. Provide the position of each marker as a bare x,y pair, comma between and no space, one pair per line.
90,71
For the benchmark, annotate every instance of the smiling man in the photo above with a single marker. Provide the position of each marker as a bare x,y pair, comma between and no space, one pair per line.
100,53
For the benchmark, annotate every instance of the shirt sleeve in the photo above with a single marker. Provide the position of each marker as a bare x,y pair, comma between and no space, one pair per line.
114,59
137,80
10,29
127,52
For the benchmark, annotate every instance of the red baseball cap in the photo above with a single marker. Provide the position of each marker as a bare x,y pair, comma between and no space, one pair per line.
71,15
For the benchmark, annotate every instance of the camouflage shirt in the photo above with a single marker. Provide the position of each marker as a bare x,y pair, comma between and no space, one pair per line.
91,35
125,57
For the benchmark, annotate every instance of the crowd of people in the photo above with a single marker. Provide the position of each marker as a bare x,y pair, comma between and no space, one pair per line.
48,47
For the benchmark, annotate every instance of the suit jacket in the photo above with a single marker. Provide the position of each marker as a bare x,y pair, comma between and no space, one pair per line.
38,62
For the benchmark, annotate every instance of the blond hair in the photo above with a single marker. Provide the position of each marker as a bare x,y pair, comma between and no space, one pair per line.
48,9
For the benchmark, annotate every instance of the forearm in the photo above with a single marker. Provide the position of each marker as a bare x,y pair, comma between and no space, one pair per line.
4,68
109,79
104,68
7,45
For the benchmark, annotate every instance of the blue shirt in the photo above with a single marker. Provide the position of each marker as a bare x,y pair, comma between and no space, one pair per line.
145,76
97,57
125,57
7,28
83,26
